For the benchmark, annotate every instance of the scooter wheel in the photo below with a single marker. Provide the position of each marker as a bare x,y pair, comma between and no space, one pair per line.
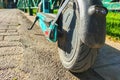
74,54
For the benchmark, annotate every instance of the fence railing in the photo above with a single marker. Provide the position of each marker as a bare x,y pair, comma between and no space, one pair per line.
28,5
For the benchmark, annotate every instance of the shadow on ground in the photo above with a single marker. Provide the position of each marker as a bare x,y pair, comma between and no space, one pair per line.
107,66
88,75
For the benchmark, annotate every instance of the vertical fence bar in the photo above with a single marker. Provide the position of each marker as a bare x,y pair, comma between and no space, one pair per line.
25,2
30,9
33,1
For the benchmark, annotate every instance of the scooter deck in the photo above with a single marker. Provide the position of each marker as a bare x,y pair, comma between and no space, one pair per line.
48,29
47,16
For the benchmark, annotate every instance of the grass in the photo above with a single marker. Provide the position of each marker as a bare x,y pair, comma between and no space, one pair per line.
35,11
113,25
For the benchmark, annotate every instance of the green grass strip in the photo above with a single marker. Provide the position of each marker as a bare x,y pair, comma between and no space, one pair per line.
113,24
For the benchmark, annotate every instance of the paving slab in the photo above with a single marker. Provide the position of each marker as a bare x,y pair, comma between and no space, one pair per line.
11,30
12,38
9,34
9,62
6,51
2,30
1,38
10,44
3,27
13,74
13,26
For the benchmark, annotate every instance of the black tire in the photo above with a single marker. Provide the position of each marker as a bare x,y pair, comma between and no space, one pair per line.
74,55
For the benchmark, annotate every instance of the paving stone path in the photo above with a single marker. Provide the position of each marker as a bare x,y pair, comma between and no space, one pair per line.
11,49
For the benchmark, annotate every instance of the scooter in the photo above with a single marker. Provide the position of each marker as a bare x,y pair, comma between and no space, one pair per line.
79,28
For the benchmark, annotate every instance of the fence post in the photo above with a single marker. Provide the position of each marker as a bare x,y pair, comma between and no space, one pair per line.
30,9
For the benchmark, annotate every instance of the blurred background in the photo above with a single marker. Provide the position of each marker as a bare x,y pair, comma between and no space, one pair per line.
8,3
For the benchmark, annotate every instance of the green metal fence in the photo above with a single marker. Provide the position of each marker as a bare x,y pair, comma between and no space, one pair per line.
28,5
22,4
31,5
